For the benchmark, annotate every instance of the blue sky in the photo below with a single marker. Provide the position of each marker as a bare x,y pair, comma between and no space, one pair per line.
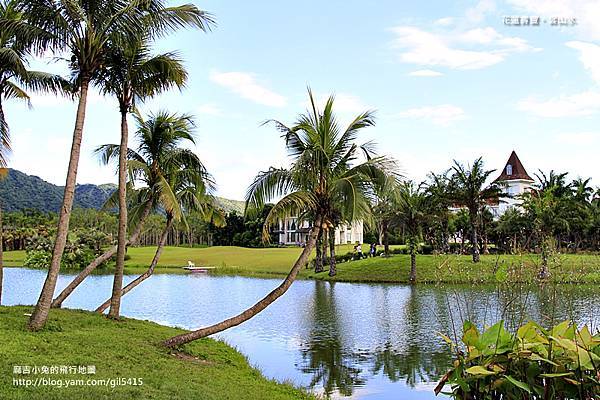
449,80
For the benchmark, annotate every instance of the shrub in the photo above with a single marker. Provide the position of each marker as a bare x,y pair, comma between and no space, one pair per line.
534,363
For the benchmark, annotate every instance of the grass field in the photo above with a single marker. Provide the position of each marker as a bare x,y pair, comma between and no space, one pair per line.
430,268
124,350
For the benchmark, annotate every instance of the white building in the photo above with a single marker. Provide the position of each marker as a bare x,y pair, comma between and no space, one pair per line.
514,181
293,231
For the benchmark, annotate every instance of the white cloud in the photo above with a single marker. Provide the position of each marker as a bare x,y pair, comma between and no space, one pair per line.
210,109
425,72
587,13
577,138
589,55
477,13
245,85
580,104
443,115
446,21
443,49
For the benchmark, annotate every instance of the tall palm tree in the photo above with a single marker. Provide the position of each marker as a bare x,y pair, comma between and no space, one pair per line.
186,187
438,193
383,210
160,139
469,190
322,177
87,29
15,80
131,74
412,204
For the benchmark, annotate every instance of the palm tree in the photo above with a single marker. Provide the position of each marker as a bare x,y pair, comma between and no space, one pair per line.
186,187
468,190
383,210
131,74
159,150
412,213
15,80
321,178
87,29
438,193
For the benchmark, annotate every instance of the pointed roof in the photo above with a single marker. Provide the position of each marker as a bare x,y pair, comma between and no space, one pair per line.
513,170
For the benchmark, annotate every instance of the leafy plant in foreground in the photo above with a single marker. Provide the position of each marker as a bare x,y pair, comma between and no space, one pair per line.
535,363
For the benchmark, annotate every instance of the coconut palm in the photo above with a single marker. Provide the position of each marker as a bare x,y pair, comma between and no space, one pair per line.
469,190
323,176
412,207
131,74
186,188
87,29
15,78
383,210
160,139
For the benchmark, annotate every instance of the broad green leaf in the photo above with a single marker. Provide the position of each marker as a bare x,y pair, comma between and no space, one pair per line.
560,329
584,337
527,331
556,375
479,370
519,384
565,343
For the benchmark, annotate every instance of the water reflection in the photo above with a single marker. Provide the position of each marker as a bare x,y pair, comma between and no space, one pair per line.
343,340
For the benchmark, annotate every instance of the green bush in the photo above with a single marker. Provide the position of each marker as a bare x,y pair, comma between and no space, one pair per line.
534,363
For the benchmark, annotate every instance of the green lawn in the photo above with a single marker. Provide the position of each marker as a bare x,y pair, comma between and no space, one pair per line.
430,268
127,350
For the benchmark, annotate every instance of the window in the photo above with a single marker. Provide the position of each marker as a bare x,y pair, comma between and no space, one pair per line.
508,169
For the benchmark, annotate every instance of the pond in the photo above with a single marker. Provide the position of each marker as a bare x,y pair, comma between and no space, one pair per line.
346,340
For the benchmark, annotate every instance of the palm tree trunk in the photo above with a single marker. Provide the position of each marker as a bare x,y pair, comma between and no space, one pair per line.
115,303
1,253
57,302
332,265
318,257
474,239
149,272
325,243
413,262
258,307
40,313
386,239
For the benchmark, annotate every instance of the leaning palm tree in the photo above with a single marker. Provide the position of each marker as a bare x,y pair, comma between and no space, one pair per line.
469,190
187,188
323,176
87,29
160,139
132,74
412,214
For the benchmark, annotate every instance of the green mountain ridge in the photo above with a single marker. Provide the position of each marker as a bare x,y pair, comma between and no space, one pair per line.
19,191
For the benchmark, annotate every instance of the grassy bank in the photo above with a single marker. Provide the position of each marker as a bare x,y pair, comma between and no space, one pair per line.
276,262
125,350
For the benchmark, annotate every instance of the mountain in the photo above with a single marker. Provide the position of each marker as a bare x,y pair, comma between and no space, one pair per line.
229,205
19,191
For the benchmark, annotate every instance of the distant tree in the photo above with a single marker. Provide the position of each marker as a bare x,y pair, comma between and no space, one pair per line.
412,205
469,190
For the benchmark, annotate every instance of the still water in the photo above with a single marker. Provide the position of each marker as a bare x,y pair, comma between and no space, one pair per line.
345,340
